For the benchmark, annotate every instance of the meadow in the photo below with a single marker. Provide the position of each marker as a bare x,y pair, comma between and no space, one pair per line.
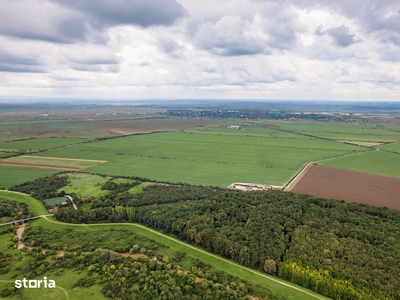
85,185
37,144
392,147
210,156
345,131
10,176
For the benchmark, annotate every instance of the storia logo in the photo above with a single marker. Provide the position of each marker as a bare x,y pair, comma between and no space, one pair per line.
35,283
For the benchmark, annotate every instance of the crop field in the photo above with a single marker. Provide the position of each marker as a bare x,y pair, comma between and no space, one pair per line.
375,162
5,154
10,176
208,157
331,183
50,162
93,126
341,131
36,144
392,147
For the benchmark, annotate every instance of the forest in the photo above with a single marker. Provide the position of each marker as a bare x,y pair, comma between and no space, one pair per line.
338,249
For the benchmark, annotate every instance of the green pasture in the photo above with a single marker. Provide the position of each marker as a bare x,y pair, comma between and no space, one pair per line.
5,154
139,188
36,144
343,131
12,130
392,147
122,180
209,157
377,162
10,176
85,185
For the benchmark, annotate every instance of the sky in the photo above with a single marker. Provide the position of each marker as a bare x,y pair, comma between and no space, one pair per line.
188,49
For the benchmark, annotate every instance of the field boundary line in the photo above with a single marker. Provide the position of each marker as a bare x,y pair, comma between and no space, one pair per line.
199,250
346,155
293,179
64,158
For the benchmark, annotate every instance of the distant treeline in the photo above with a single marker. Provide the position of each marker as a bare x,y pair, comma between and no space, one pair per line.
257,114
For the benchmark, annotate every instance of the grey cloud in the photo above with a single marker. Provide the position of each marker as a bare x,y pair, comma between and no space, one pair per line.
73,21
282,37
227,38
379,17
13,63
41,20
144,63
342,36
20,68
170,47
96,61
95,68
144,13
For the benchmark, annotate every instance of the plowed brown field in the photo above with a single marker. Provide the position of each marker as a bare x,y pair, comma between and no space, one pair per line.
331,183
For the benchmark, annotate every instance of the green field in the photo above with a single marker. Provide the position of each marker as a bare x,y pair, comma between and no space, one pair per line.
291,291
209,157
10,176
85,185
343,131
36,144
392,147
377,162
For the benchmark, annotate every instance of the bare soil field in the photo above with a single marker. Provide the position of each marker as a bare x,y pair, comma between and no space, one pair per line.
331,183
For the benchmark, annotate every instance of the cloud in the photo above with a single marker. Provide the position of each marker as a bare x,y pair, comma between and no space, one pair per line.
170,46
75,21
95,58
282,37
143,13
41,20
15,63
342,36
231,36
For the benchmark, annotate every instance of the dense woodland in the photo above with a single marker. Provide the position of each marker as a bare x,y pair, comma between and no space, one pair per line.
43,188
342,250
